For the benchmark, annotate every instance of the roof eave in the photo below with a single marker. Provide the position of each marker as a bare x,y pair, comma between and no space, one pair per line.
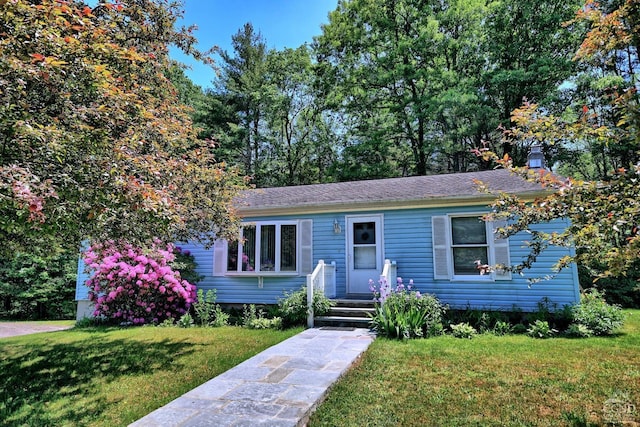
346,207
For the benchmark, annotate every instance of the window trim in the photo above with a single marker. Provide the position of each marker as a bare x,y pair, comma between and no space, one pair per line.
499,251
278,253
488,231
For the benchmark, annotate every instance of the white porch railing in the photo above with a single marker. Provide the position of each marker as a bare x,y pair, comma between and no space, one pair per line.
389,272
323,279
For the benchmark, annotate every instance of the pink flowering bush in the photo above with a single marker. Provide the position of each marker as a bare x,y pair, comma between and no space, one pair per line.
136,286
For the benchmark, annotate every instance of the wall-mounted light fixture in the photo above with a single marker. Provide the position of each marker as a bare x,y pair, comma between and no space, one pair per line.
336,227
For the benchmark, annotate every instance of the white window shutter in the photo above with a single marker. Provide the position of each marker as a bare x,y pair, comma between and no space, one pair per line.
500,251
306,246
220,257
441,252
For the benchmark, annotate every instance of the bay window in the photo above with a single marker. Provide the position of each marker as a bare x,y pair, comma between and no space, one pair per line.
264,247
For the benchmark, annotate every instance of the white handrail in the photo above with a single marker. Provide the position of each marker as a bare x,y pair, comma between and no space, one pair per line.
316,277
323,279
389,272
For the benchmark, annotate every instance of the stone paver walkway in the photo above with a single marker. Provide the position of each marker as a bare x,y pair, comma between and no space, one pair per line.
279,387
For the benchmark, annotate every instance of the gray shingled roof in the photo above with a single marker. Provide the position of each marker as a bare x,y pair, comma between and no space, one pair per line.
417,190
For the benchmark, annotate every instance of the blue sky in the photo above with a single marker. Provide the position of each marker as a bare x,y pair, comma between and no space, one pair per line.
282,23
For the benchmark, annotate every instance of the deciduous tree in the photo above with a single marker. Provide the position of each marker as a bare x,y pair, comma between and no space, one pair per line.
604,214
93,141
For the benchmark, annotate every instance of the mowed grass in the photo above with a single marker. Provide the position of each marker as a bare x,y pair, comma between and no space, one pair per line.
491,381
113,376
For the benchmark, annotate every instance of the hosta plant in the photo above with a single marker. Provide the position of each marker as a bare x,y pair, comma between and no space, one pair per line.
463,330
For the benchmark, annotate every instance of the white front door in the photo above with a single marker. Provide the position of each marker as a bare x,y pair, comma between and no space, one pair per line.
364,252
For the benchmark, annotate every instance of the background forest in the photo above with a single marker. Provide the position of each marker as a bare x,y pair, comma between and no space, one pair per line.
407,87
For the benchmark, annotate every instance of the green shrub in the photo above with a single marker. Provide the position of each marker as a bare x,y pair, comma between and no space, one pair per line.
185,263
293,307
185,321
265,323
220,318
596,314
502,328
253,318
207,312
579,331
518,328
463,330
482,321
249,314
167,323
204,307
90,322
403,313
541,329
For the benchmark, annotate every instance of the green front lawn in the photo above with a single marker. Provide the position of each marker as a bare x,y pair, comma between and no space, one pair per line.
112,376
491,381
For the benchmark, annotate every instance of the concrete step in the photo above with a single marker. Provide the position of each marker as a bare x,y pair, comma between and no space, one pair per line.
351,311
354,303
342,321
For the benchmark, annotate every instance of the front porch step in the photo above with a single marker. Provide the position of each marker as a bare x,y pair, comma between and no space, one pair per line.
341,321
347,302
347,312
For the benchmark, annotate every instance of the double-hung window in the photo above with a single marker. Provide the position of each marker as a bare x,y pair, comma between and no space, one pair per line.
465,246
469,245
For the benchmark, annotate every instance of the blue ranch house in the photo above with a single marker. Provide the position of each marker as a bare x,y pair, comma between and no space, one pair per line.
426,228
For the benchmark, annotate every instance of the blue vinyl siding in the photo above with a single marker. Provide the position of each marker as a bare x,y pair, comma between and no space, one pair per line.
408,241
82,292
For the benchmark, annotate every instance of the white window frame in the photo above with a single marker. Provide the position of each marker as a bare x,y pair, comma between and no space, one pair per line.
278,253
443,250
488,232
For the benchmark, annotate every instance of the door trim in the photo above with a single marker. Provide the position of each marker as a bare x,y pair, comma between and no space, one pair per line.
349,221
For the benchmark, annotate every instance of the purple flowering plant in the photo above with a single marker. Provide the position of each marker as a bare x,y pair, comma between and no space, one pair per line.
132,285
401,312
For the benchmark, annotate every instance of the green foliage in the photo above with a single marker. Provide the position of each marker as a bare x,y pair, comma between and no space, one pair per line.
603,213
249,314
483,321
38,286
265,323
540,329
185,263
623,290
548,311
91,128
595,314
405,71
502,328
484,382
463,330
402,313
185,321
167,323
578,330
221,318
204,306
207,312
91,322
293,306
